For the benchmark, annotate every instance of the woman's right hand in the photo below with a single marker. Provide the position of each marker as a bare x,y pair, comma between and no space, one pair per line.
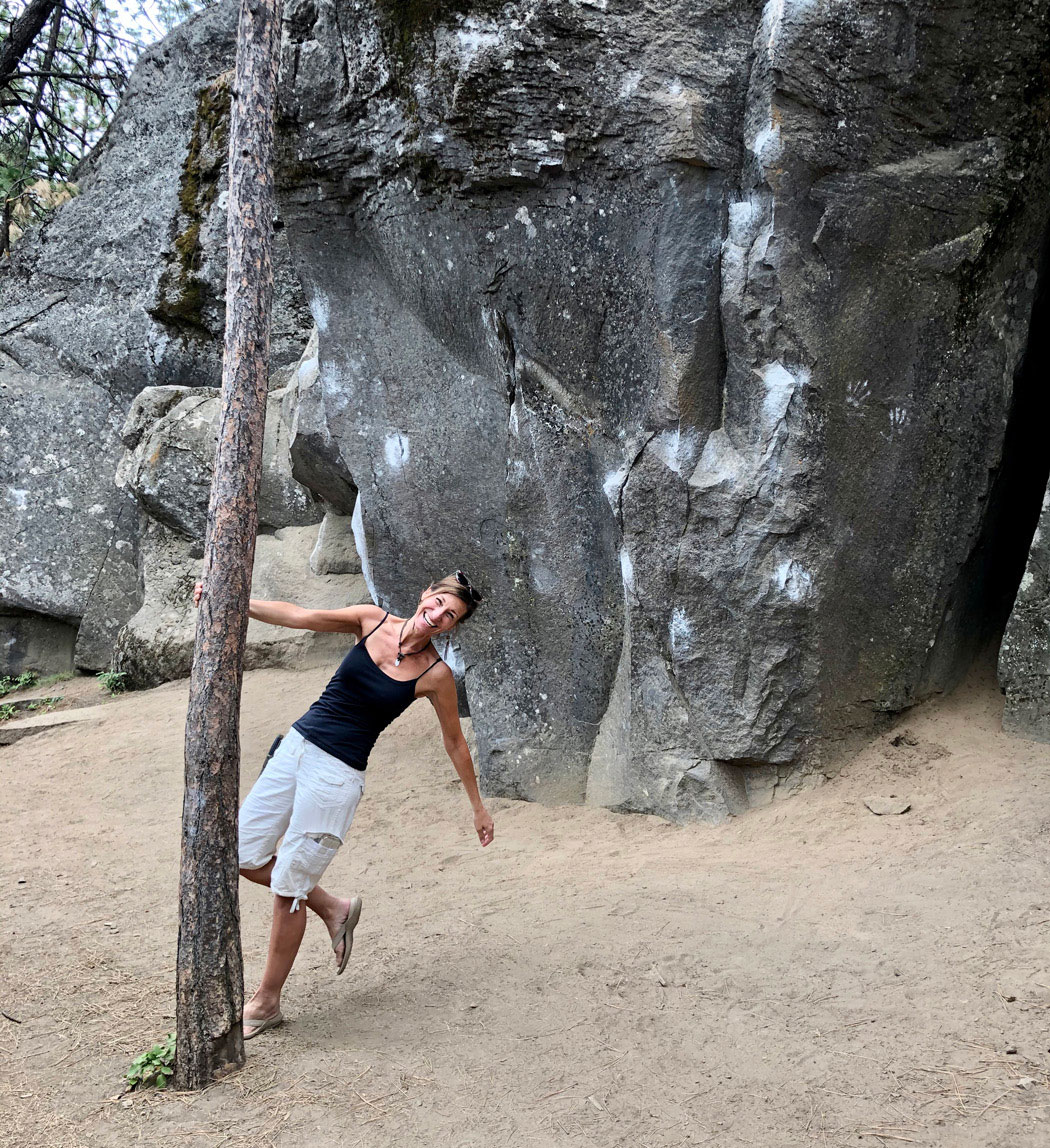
483,826
198,590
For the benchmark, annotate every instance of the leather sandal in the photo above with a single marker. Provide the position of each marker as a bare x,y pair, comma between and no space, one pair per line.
345,933
258,1026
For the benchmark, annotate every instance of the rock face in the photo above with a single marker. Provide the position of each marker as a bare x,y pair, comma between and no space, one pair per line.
703,336
1024,657
169,438
336,549
690,330
124,283
69,535
316,461
121,289
156,645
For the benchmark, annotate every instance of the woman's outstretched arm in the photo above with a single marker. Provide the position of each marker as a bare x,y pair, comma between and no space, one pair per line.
345,621
442,694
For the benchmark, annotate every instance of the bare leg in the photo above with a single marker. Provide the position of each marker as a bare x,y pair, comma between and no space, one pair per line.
332,910
286,935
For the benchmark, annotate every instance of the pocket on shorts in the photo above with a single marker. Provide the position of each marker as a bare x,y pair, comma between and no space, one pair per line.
326,796
334,787
301,862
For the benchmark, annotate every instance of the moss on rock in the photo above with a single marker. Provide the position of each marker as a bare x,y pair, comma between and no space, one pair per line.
183,293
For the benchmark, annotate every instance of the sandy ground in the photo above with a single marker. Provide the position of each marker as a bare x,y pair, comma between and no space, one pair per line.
808,975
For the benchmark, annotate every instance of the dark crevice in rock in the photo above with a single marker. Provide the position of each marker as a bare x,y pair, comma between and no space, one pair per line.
34,313
505,342
1018,492
987,585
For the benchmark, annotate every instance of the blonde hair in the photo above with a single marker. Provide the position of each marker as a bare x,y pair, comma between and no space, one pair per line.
459,586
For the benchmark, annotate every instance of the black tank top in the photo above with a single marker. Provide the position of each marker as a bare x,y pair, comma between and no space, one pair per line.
357,705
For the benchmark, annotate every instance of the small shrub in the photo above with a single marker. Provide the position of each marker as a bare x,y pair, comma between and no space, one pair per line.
37,705
154,1067
44,705
112,681
22,682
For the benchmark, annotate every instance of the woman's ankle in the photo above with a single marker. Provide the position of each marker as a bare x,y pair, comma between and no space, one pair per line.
263,1003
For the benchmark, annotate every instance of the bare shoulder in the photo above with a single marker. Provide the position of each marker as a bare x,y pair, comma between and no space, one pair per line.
367,617
438,681
370,614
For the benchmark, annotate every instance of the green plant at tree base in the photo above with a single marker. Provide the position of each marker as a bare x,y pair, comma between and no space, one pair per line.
112,681
154,1067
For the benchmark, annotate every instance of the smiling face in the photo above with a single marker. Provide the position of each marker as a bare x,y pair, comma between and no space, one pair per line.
437,613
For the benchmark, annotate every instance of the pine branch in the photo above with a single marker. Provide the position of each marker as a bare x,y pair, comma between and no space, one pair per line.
75,78
54,118
38,99
23,34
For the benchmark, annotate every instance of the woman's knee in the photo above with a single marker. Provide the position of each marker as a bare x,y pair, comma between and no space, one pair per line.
260,874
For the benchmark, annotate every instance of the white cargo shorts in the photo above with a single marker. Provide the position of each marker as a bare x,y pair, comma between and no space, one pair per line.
306,799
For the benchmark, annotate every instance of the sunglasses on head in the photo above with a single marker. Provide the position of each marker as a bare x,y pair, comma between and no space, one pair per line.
464,581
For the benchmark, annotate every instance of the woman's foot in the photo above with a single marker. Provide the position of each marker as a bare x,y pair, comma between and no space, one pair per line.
341,930
261,1013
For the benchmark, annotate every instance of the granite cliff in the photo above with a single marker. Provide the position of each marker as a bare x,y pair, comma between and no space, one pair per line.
705,335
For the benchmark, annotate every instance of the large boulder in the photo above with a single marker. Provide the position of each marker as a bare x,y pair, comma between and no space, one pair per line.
156,645
69,535
124,284
120,289
300,554
690,330
170,439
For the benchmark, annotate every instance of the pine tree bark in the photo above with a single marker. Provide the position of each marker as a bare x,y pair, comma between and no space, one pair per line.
210,979
22,34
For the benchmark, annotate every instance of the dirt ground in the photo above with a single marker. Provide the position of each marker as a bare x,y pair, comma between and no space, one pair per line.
810,974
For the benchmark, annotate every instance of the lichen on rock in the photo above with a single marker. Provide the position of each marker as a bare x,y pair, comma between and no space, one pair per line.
184,294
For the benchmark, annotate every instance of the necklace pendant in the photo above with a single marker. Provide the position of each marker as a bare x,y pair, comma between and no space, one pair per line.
397,660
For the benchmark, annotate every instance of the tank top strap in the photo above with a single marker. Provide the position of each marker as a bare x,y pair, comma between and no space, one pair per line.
376,627
428,669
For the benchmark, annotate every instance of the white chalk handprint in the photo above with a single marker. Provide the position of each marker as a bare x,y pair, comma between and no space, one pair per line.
857,394
899,418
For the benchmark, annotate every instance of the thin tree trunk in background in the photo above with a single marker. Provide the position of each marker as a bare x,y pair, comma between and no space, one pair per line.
22,33
46,64
210,977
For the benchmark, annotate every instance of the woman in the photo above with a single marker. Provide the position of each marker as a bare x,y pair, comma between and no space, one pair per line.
307,794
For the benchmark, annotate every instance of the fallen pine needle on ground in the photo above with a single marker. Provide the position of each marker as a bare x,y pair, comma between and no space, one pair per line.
809,974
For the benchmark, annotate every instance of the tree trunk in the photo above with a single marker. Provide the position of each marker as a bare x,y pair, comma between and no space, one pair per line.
210,984
23,32
46,64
